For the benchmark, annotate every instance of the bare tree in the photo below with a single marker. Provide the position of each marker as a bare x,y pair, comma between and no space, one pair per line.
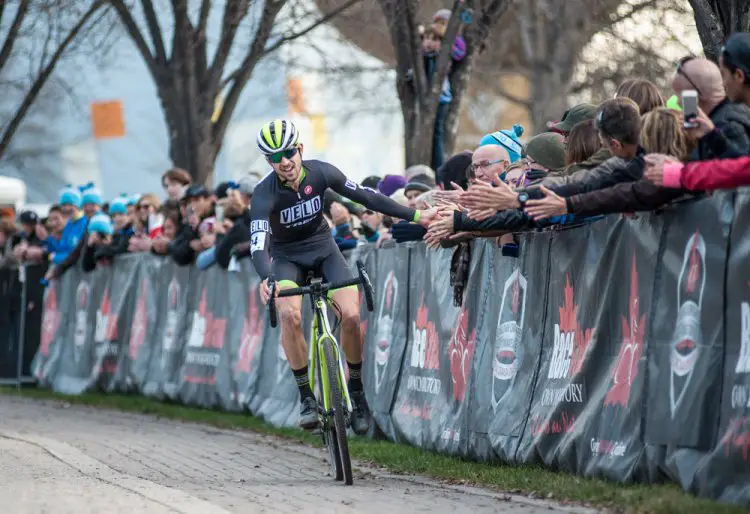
717,19
40,34
189,81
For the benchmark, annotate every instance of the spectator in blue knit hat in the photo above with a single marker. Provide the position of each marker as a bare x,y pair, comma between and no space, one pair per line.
98,233
508,139
75,228
91,198
102,247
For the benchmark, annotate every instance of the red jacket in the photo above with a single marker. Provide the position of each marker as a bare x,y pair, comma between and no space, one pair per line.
708,175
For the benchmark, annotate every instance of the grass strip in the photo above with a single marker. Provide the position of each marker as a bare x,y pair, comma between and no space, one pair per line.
525,480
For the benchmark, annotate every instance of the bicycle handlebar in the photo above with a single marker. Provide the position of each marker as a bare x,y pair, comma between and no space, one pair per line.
321,289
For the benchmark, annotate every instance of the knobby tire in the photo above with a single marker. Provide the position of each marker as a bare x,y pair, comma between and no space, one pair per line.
329,437
337,402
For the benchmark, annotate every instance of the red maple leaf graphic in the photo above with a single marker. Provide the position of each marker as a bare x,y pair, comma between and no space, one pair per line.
140,324
110,332
633,331
432,352
461,352
569,323
252,333
50,321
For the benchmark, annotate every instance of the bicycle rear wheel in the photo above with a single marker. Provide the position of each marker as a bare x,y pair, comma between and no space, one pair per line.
329,434
339,408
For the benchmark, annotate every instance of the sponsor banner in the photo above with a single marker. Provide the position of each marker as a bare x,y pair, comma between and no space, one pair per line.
205,377
246,326
609,440
86,323
431,403
571,356
170,289
385,331
114,319
510,357
34,314
724,473
10,299
58,309
685,355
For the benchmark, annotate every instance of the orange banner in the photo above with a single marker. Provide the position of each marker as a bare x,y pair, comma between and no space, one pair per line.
107,119
296,96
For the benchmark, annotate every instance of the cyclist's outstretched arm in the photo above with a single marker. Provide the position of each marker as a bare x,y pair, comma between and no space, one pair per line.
260,232
366,196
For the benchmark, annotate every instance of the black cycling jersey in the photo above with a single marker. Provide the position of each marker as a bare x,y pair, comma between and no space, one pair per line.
294,219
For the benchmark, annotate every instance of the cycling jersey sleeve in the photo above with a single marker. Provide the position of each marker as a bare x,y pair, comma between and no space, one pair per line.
366,196
260,232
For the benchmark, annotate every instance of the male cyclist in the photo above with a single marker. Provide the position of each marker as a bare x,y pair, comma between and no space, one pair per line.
287,209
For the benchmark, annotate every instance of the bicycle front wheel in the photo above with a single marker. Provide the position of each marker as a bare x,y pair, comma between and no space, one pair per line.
339,410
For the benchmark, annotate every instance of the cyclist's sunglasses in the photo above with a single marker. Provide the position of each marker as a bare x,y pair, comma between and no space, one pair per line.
276,158
680,71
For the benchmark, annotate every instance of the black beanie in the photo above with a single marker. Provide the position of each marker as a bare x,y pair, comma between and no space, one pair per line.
454,170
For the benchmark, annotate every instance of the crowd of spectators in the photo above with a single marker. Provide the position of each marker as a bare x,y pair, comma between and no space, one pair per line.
634,152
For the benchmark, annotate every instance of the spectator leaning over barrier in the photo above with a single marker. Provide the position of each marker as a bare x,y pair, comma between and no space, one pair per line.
731,119
91,199
147,223
581,146
417,186
453,177
29,247
643,92
198,207
508,140
213,230
575,115
7,231
735,67
172,224
98,235
51,233
663,132
174,182
236,242
73,234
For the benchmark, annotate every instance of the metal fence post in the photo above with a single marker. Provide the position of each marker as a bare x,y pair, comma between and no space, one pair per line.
22,324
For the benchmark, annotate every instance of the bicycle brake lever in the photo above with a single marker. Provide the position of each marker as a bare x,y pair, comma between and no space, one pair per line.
272,304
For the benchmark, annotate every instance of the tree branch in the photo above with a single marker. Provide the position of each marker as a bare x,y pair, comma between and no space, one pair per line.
13,31
155,30
242,75
234,12
135,34
38,84
325,19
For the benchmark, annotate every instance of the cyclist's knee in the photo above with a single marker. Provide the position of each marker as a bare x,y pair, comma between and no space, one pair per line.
291,316
350,318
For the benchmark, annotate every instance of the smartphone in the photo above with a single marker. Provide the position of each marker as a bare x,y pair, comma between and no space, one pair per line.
219,213
690,107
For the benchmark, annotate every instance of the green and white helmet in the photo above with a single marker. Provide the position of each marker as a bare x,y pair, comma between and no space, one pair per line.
277,136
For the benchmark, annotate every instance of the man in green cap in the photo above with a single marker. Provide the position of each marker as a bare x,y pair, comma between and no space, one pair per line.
574,116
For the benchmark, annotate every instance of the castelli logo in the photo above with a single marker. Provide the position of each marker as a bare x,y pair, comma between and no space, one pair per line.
50,321
571,343
140,324
308,189
252,333
633,331
461,352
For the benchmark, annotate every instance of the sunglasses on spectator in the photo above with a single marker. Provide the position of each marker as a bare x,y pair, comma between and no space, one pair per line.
680,71
276,158
144,206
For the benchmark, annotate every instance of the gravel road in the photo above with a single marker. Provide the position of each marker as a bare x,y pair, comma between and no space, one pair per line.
58,458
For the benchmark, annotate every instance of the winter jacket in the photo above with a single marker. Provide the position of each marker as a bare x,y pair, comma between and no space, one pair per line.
640,195
206,258
585,175
71,236
344,237
628,172
708,175
119,245
179,247
239,233
430,67
602,155
511,220
733,120
72,257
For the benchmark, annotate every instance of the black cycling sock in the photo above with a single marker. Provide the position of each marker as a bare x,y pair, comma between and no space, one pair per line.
303,383
355,376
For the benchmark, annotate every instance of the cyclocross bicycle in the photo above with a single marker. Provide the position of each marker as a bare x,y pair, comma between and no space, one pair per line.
326,369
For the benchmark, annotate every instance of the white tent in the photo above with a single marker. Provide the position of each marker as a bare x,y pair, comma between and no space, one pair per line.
12,192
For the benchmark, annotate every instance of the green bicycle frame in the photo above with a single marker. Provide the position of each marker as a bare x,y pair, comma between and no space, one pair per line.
321,330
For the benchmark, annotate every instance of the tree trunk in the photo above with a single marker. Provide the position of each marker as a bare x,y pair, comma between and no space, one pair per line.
716,20
547,101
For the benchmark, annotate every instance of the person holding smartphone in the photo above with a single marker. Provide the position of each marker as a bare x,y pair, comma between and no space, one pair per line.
699,84
199,205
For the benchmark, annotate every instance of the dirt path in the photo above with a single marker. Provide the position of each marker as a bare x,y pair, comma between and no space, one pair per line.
71,459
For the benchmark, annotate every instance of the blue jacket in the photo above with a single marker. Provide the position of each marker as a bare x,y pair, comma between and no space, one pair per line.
71,236
430,64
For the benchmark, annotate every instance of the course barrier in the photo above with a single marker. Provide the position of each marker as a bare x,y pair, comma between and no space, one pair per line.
620,349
